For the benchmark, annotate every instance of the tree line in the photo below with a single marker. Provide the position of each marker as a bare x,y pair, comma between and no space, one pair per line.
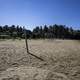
56,31
39,32
14,32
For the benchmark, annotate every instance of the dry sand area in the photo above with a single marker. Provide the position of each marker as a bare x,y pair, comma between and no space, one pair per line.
61,60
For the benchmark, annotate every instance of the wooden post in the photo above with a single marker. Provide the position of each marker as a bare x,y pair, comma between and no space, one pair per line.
26,40
27,46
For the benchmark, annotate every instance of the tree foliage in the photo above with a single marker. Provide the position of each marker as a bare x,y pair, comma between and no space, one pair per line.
13,32
44,32
56,31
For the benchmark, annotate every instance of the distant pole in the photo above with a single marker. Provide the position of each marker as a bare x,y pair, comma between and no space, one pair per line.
26,40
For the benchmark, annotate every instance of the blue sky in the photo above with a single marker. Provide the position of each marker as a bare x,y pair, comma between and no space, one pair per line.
30,13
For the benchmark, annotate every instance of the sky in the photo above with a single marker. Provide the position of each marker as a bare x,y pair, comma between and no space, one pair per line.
32,13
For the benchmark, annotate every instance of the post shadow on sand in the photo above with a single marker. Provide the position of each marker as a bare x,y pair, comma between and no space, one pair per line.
28,48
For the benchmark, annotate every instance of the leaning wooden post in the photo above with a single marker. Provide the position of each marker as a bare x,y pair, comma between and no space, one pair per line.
26,40
27,46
